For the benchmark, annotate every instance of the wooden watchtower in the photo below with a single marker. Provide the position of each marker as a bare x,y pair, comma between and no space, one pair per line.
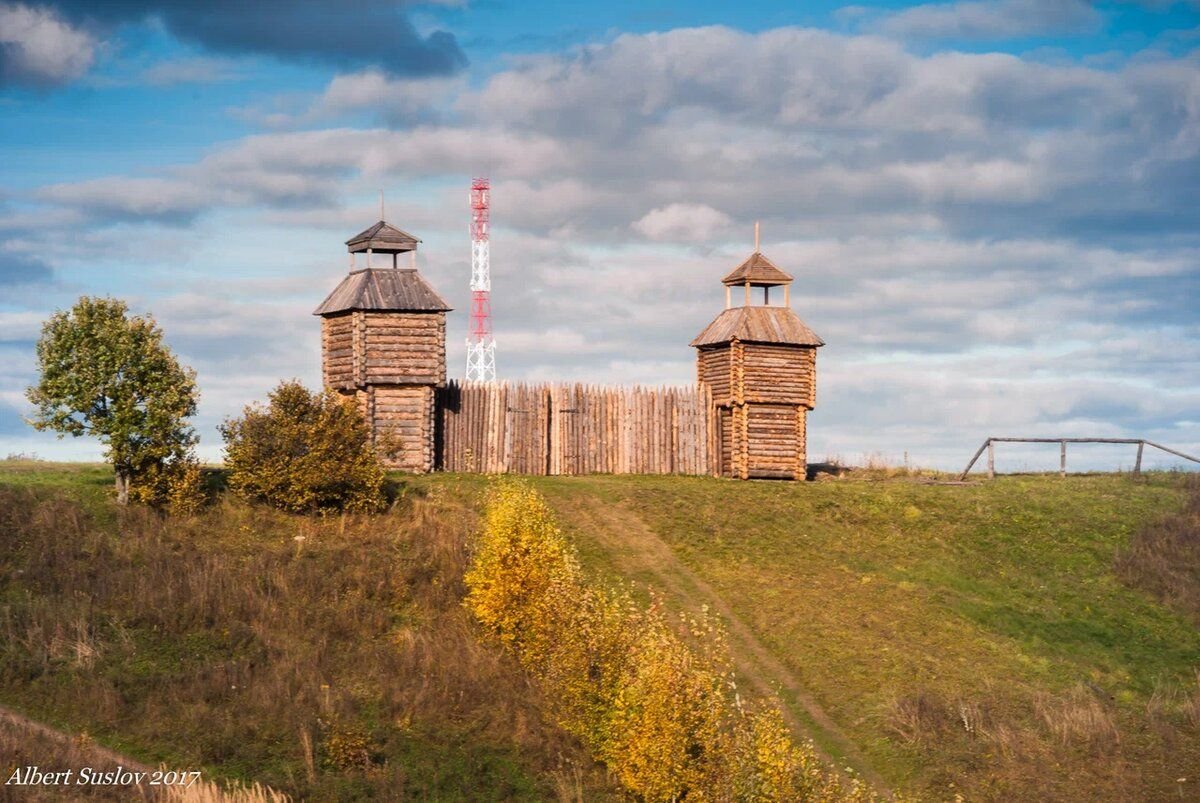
383,342
760,363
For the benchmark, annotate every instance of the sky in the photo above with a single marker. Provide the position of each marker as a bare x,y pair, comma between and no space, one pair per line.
991,208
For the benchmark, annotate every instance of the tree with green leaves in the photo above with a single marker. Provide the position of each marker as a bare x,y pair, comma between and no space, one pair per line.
109,375
304,452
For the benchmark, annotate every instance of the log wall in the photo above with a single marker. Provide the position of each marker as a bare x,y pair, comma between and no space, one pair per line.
337,351
773,448
780,374
403,347
713,369
762,393
403,418
574,429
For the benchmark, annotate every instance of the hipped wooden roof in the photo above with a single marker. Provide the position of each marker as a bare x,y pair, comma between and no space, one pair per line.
382,238
758,325
383,289
759,271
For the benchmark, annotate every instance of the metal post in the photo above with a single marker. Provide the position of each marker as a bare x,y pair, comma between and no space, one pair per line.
991,461
1062,459
1137,466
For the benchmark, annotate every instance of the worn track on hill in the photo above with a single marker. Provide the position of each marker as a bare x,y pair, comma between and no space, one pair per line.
30,732
634,548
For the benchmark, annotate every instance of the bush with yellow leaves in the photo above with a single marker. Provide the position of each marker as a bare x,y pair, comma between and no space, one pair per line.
176,485
653,698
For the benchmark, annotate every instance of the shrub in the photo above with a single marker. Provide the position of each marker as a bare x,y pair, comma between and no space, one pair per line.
304,452
653,701
177,485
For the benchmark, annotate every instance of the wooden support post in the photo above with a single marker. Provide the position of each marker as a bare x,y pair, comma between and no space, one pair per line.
747,294
728,296
1062,459
1137,465
991,460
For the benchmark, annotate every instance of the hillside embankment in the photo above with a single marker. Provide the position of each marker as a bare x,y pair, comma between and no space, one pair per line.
1028,638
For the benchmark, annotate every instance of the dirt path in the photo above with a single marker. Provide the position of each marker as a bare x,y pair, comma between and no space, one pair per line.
634,548
12,721
25,742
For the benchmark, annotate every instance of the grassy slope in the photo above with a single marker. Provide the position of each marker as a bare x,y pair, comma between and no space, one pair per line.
902,610
223,643
965,638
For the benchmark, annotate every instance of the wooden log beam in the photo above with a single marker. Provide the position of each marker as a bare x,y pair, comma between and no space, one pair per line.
975,457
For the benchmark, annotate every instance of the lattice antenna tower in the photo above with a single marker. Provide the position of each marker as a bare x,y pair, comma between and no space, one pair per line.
481,346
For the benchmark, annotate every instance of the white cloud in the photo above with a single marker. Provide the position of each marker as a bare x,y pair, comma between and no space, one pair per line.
985,242
687,222
37,46
198,70
993,19
373,91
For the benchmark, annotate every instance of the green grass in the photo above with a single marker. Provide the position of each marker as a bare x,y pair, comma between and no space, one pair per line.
997,598
900,609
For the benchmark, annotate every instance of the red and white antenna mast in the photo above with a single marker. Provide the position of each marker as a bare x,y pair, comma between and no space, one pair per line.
481,346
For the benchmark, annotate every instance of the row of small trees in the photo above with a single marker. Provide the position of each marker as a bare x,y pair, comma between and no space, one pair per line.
660,709
109,375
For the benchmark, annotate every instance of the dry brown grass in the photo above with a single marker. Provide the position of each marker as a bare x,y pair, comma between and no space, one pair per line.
919,718
259,644
1079,718
1164,557
1028,746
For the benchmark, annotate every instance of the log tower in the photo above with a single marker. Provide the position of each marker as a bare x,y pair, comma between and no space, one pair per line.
760,363
383,342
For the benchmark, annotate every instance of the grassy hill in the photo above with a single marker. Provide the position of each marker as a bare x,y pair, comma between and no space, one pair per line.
942,639
986,639
329,658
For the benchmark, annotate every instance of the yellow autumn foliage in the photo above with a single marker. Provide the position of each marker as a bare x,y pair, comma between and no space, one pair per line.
652,696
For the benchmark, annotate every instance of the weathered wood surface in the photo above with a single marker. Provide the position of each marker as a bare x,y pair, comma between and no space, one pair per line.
758,325
402,424
384,289
360,349
780,374
574,429
404,348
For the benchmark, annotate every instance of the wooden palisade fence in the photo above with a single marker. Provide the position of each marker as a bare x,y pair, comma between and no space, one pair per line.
990,446
574,429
